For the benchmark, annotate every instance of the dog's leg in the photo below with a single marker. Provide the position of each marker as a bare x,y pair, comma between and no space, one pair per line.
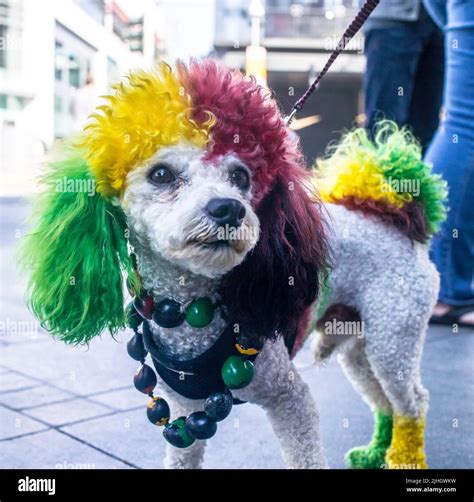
396,310
295,421
398,371
358,371
193,456
409,399
185,458
279,389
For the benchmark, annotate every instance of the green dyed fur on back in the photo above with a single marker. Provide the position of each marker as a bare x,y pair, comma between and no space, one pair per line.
75,255
400,158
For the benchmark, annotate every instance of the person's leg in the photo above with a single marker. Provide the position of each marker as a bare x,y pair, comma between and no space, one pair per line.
392,56
452,156
437,10
428,89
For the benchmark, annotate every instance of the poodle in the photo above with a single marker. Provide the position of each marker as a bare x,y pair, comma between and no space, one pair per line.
202,201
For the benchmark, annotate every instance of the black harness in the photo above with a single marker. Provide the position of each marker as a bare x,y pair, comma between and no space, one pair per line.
196,378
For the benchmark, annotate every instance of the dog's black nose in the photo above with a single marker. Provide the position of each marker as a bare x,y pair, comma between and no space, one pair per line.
226,211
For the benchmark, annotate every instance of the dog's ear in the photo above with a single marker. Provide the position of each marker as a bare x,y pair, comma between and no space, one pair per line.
74,255
273,288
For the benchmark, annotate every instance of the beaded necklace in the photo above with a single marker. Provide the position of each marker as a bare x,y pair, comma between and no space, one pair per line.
237,370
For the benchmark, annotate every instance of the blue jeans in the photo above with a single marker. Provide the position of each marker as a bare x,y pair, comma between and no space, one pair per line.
404,77
452,152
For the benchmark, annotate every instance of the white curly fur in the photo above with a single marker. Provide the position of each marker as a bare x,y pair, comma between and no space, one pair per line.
393,285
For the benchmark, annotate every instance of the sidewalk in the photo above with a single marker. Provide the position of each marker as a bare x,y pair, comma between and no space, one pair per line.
65,407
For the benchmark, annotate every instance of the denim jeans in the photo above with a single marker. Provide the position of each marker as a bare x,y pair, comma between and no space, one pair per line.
404,77
452,153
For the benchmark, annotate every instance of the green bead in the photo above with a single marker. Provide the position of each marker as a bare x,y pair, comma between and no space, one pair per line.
133,318
237,372
200,313
177,435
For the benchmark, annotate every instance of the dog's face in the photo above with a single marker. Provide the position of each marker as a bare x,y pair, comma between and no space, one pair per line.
207,177
193,211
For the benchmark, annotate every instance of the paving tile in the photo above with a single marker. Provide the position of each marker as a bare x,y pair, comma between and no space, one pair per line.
13,423
38,396
67,411
128,435
104,365
12,381
122,399
53,450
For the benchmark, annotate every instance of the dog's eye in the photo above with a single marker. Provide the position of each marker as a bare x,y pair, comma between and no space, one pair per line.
161,174
240,178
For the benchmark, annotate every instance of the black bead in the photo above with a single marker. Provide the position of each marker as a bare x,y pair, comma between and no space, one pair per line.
145,379
167,314
200,426
135,347
218,406
158,411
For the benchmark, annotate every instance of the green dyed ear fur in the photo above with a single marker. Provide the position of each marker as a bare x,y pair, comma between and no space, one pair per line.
75,255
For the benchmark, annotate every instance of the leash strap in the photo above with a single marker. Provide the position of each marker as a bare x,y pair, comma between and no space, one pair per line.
348,35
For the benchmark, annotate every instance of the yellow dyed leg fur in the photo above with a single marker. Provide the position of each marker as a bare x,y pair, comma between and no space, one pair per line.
407,448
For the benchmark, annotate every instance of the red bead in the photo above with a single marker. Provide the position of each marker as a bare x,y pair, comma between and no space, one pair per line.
144,306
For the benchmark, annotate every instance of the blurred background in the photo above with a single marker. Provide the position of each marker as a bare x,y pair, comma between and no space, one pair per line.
58,56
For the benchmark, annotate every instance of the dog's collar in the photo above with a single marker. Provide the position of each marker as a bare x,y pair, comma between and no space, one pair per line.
195,378
221,349
236,372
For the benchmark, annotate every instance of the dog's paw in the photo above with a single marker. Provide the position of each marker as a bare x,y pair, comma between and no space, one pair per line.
366,457
404,459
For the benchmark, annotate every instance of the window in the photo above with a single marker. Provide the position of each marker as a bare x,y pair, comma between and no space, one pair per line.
58,72
58,104
3,45
74,72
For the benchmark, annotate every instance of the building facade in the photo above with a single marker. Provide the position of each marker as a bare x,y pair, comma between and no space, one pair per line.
49,51
299,36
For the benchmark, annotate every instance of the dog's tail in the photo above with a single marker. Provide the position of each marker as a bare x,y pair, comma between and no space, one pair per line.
386,178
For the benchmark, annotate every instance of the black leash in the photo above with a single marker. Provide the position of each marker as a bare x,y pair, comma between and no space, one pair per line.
348,35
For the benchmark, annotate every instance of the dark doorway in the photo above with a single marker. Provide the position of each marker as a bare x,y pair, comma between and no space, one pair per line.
336,101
